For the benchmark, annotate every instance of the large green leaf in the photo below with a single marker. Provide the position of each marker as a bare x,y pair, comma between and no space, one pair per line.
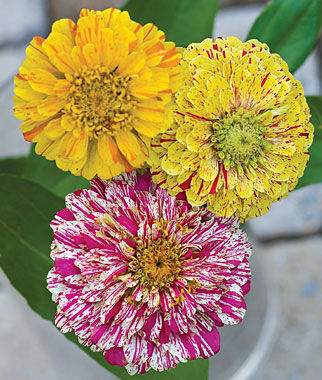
25,212
290,28
15,165
46,173
26,209
313,172
183,21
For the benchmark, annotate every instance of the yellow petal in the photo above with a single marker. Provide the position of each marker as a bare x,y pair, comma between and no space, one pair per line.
31,129
107,149
62,87
227,99
57,43
68,123
72,148
132,64
105,171
201,77
105,46
64,62
213,106
232,178
195,199
149,113
199,186
182,133
170,167
89,168
244,187
196,97
88,28
128,144
78,58
24,90
274,162
224,203
54,129
195,144
208,169
202,130
146,128
190,160
122,33
66,27
216,83
42,81
37,57
51,105
91,55
282,146
175,151
117,54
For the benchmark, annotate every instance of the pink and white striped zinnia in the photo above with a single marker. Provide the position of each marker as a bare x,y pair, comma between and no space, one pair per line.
144,277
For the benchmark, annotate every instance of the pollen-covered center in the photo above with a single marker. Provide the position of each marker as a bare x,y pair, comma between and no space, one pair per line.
100,100
158,264
239,139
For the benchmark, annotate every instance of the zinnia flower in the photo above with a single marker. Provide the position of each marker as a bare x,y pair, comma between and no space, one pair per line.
242,131
91,95
144,277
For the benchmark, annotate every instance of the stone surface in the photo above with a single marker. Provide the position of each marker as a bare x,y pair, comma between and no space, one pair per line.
12,142
32,349
20,20
11,59
295,268
298,214
236,21
71,8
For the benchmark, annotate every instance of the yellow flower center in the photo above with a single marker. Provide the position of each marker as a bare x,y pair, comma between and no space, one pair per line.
157,265
100,100
239,139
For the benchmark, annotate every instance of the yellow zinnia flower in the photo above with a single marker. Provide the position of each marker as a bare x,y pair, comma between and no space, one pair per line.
242,131
92,94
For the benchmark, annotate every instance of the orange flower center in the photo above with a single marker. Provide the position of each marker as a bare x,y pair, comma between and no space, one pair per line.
100,101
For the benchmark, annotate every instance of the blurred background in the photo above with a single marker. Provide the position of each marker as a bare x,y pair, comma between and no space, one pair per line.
281,337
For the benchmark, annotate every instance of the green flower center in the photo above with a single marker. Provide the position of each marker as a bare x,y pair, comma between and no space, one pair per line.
239,139
100,100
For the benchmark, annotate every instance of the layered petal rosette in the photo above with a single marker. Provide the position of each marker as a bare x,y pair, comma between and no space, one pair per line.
92,94
144,277
242,131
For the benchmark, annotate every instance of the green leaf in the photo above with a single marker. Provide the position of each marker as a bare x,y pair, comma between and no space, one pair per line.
25,212
13,165
290,28
26,209
46,173
183,21
313,172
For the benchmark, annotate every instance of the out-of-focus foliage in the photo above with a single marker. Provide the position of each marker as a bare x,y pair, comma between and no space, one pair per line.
290,28
183,21
313,172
